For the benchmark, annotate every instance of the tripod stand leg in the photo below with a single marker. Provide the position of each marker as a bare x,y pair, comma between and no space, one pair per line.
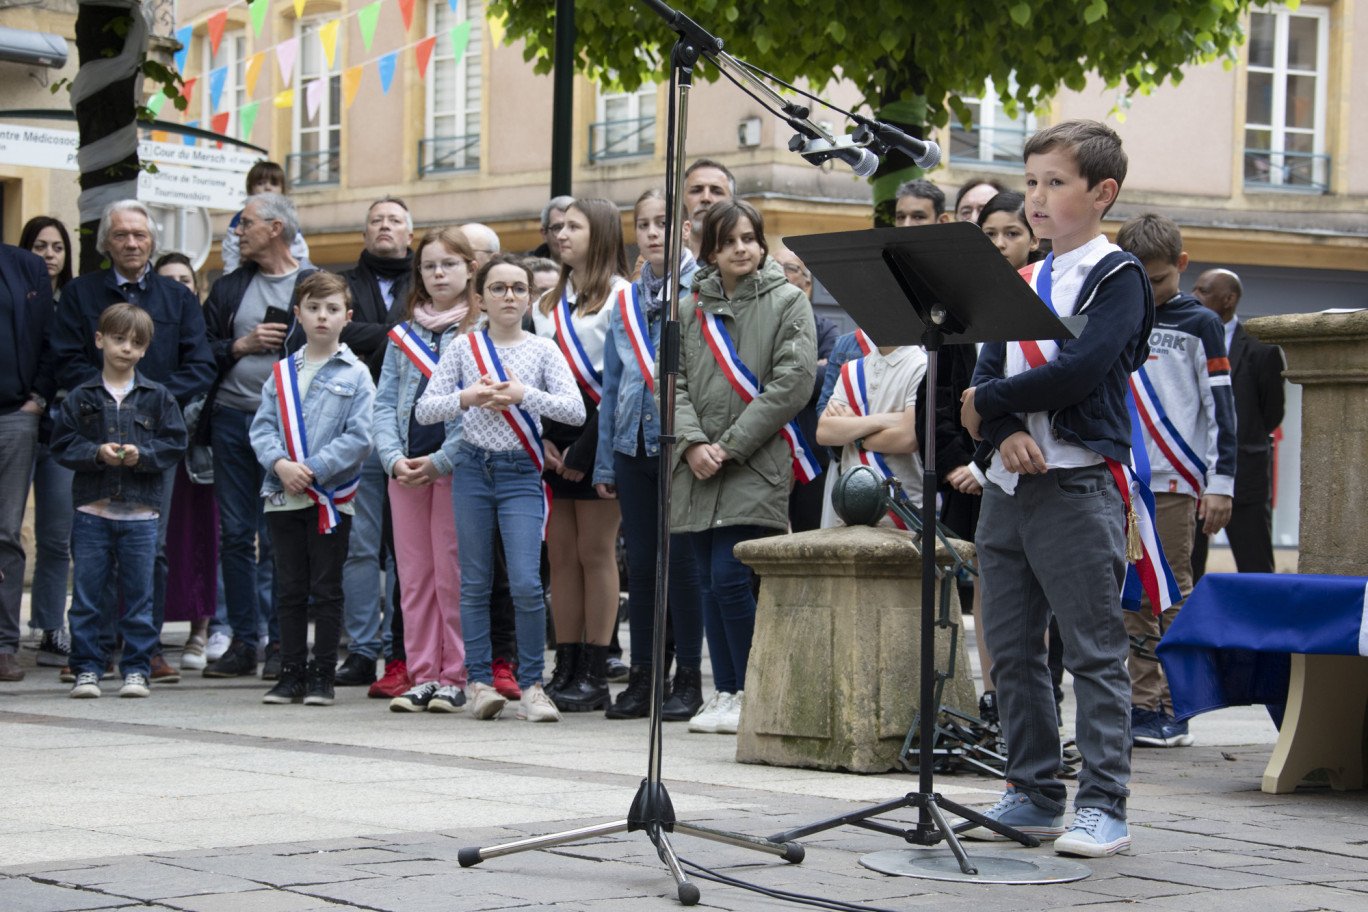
791,852
843,820
471,856
950,838
978,819
685,889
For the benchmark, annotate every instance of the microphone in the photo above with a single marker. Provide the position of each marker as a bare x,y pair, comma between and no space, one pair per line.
924,153
819,150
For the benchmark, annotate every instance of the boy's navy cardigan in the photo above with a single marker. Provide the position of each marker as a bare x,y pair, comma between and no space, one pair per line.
1084,389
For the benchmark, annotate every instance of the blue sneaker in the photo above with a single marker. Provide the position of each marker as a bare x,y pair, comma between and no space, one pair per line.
1022,814
1175,732
1094,834
1147,728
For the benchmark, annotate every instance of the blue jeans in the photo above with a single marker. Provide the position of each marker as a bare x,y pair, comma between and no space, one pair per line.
159,570
127,552
728,603
638,486
52,541
244,540
18,438
362,607
504,488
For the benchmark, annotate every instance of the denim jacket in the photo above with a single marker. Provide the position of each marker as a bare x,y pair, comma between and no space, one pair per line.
394,401
337,422
625,394
148,418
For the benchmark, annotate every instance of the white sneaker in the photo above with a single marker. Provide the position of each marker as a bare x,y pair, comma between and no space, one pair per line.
729,720
193,657
485,701
87,686
135,685
707,718
218,645
536,706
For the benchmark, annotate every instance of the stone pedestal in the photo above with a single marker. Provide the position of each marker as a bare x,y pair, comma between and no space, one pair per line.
833,676
1327,354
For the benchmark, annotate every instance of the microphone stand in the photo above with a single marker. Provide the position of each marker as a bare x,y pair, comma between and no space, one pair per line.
651,810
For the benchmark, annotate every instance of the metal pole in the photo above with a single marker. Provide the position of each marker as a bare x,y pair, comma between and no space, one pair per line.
563,99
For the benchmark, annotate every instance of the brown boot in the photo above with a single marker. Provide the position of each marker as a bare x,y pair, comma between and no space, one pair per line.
9,667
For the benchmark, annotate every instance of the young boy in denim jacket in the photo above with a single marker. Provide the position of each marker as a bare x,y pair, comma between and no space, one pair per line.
120,432
311,435
1052,534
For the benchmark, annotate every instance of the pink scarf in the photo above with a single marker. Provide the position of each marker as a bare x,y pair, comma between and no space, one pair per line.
439,321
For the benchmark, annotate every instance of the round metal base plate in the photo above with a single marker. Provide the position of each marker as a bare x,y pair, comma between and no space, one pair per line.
939,864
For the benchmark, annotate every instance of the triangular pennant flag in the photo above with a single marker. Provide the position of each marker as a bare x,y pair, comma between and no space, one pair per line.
422,52
313,96
386,67
367,18
460,37
216,24
183,36
351,82
219,122
496,28
285,56
154,104
217,79
247,120
160,136
406,10
299,8
327,33
258,9
187,138
188,90
452,4
285,99
254,70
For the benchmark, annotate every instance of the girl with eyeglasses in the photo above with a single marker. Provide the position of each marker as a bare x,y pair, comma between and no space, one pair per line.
582,539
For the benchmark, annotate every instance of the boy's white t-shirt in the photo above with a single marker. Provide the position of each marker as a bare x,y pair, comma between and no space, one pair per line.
891,383
1069,272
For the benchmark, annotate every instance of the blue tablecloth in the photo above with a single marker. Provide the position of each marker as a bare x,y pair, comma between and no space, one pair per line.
1232,641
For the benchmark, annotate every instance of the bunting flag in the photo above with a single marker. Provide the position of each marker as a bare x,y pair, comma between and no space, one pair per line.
247,119
254,71
187,90
217,79
351,82
406,10
386,66
313,96
496,28
161,136
327,34
452,4
216,24
258,9
299,8
219,122
460,37
183,36
187,138
284,100
154,104
423,53
286,52
368,17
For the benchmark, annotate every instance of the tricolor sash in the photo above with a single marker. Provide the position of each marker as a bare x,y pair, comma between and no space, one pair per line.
1147,567
1165,436
297,445
862,339
638,333
407,340
487,362
748,386
857,394
590,380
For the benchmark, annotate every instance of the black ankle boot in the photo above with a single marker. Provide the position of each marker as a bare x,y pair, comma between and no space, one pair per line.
289,686
567,660
320,685
589,689
635,701
687,696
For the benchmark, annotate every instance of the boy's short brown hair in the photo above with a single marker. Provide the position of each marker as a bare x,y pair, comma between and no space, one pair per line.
721,218
320,284
1151,237
1094,146
124,319
267,171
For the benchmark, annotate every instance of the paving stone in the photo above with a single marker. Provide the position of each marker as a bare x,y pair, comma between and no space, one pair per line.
20,894
252,901
1295,898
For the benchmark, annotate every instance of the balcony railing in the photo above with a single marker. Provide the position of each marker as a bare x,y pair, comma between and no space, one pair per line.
314,168
444,154
621,138
998,145
1301,172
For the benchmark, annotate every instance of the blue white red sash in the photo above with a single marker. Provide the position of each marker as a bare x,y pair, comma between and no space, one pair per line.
487,362
1165,436
857,394
297,445
862,339
638,333
1148,570
747,386
590,380
407,340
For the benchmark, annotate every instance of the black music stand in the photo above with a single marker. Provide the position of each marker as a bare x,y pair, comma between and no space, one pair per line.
931,285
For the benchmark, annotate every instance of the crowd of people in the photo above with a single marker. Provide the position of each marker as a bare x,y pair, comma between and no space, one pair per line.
420,453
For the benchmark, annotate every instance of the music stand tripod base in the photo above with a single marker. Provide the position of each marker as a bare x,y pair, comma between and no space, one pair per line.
992,867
